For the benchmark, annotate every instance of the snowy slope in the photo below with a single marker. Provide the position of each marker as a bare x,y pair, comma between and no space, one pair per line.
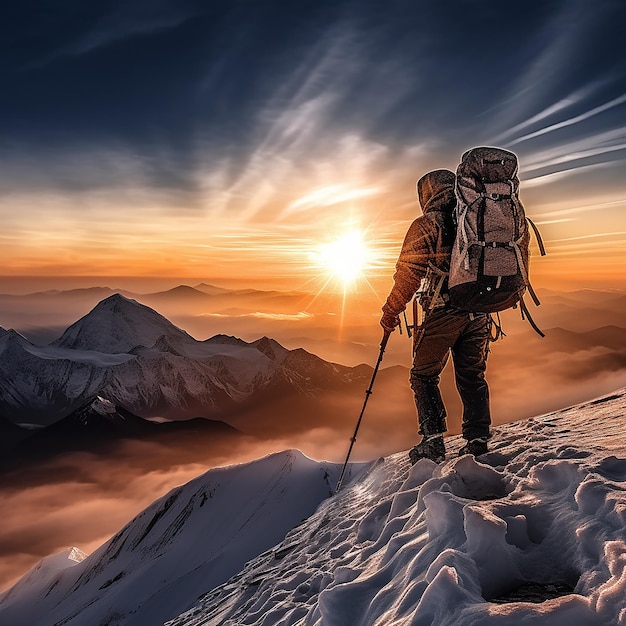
39,577
131,355
437,545
116,325
191,540
429,545
51,384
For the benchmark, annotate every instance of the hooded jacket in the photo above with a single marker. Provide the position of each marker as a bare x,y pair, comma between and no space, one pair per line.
429,239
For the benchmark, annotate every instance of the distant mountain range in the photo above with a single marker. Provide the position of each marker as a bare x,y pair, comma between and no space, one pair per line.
129,355
42,316
96,426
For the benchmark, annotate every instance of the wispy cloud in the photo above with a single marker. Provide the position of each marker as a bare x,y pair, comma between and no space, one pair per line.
585,208
616,234
302,315
127,20
553,177
574,156
569,101
552,48
329,196
554,221
572,120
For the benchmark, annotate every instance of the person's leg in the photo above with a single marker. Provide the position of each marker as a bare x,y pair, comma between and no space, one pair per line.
469,355
439,333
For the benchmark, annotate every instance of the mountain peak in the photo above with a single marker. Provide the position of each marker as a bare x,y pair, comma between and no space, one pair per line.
182,291
210,289
12,338
118,324
226,340
270,348
117,301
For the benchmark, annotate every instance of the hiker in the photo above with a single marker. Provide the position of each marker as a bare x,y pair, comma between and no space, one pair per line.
423,266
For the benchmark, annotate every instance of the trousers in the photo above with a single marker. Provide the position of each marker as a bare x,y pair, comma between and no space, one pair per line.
466,336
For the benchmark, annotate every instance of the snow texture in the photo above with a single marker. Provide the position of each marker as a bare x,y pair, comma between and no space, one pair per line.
40,576
192,539
451,544
435,544
133,356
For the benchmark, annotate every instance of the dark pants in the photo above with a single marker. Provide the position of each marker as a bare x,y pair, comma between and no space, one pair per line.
444,331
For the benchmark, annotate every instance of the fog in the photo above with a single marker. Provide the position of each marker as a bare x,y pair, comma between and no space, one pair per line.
81,499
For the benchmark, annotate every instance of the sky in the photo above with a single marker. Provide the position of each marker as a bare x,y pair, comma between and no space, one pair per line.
238,139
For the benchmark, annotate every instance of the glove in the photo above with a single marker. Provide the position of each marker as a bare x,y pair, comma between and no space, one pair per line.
389,322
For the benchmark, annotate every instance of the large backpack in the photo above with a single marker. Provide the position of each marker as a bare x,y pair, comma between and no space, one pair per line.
489,263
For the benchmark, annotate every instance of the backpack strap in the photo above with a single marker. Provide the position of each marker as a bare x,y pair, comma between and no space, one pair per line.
495,328
463,235
542,249
440,280
527,316
465,207
520,261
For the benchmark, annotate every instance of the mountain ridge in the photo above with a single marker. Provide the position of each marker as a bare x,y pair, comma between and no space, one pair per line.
136,358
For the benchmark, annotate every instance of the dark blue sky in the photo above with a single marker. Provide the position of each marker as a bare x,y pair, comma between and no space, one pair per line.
152,75
187,101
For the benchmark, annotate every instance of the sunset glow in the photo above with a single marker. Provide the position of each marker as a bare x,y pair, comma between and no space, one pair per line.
346,259
301,138
247,172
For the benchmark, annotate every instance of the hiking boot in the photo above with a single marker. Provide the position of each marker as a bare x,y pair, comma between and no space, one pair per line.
475,447
431,448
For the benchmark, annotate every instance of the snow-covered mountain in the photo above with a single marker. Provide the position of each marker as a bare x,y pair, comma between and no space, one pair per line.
99,423
117,325
134,357
534,532
193,539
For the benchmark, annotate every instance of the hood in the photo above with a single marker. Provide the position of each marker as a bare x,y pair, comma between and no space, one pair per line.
435,190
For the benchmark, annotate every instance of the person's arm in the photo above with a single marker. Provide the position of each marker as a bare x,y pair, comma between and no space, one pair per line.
411,267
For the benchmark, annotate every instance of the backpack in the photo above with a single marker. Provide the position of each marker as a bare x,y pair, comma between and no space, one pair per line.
489,263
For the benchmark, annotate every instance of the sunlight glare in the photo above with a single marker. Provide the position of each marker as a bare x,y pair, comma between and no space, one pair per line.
346,258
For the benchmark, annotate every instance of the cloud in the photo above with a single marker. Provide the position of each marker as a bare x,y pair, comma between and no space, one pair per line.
546,179
284,317
601,206
126,21
597,144
329,196
619,235
278,126
302,315
564,103
572,120
81,499
554,50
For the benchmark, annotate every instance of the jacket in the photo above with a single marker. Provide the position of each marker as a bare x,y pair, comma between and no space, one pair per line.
429,239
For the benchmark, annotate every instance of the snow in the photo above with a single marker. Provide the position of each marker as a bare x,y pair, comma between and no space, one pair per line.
27,588
193,538
135,357
89,357
436,544
115,324
443,544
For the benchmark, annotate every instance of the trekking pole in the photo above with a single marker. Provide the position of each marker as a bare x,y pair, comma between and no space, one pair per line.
368,393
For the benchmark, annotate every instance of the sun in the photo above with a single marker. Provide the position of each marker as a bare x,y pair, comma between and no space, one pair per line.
346,259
